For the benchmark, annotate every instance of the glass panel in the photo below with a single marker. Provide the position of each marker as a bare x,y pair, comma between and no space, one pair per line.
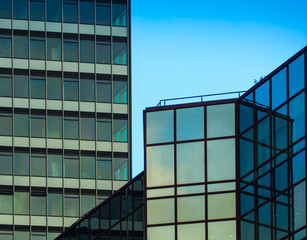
55,204
103,12
103,51
87,12
21,163
71,166
6,124
87,167
191,208
38,85
119,13
38,205
104,169
262,95
159,126
38,126
70,11
120,132
6,163
246,156
190,123
22,235
6,206
162,233
190,162
219,187
196,231
5,45
21,86
5,8
103,91
20,9
160,165
222,206
104,130
221,164
297,115
21,203
246,116
298,165
54,126
87,50
71,128
87,90
54,88
70,47
54,48
87,128
87,203
119,92
120,168
229,230
21,46
5,86
120,53
71,206
296,75
54,165
247,230
71,89
37,10
279,88
37,48
160,211
299,200
54,10
38,165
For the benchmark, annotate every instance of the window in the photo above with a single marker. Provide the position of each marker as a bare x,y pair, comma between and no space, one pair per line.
103,91
54,88
38,123
70,11
87,203
71,166
6,206
71,203
104,168
38,85
6,235
21,124
71,127
71,89
38,164
22,235
21,86
87,128
38,235
119,13
37,47
21,46
88,167
87,90
5,85
70,47
54,129
54,47
103,12
6,124
120,53
38,204
104,129
120,168
54,11
87,11
21,203
54,165
55,204
21,163
37,10
120,132
6,8
119,92
20,9
103,50
6,163
5,45
87,50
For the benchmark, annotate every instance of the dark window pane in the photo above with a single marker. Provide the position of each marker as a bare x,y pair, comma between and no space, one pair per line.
120,133
71,206
71,128
87,90
103,52
38,126
38,205
54,126
21,163
38,165
20,9
104,130
21,46
5,45
103,12
54,48
38,87
120,168
21,86
21,202
262,95
54,88
87,167
87,203
279,88
103,91
37,48
71,89
120,53
54,10
21,125
55,204
87,128
87,51
297,115
70,47
71,166
6,124
5,9
5,85
37,10
6,206
54,165
296,75
119,12
87,11
6,163
119,92
104,169
70,11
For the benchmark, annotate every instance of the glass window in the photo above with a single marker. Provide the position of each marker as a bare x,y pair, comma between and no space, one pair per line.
54,126
87,12
160,211
103,91
21,86
191,208
21,163
88,128
279,88
70,11
221,206
5,85
21,235
21,46
87,90
6,163
38,236
70,47
54,48
71,89
6,206
120,53
299,195
55,204
54,165
164,232
37,48
119,92
20,9
104,168
21,202
71,128
103,51
229,230
54,11
38,165
5,45
38,85
120,132
297,115
87,50
87,167
190,123
119,13
71,203
38,123
21,125
71,166
104,129
6,124
198,231
37,10
120,168
103,12
87,203
262,95
54,88
296,75
6,8
38,204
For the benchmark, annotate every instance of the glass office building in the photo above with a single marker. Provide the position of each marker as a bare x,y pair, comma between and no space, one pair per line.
64,111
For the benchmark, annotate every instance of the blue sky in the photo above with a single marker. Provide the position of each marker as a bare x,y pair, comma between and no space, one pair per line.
182,48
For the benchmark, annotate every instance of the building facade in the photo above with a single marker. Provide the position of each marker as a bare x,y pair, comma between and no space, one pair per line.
64,111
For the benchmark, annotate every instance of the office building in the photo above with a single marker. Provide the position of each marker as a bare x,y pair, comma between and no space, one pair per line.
223,169
64,111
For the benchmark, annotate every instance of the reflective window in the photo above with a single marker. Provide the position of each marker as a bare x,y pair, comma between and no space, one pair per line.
221,206
37,10
55,204
21,124
104,168
21,86
71,166
38,235
120,53
71,127
5,45
21,203
185,231
103,51
262,95
54,88
38,204
6,124
103,12
54,129
20,9
6,8
37,48
299,200
70,11
191,208
104,129
166,232
54,48
279,88
120,132
87,12
6,163
5,85
87,90
87,50
296,75
6,206
71,89
160,211
119,92
297,114
88,202
71,203
21,46
120,168
103,91
54,165
38,85
87,166
38,124
88,128
21,163
229,230
54,11
70,47
119,13
38,165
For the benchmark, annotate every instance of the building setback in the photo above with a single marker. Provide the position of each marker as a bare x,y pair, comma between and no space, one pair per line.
64,111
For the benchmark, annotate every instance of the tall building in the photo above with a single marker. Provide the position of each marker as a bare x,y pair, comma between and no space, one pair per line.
64,111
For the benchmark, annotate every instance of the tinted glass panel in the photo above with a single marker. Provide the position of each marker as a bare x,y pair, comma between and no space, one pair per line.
104,169
103,12
185,231
120,53
221,206
38,126
54,88
20,9
38,165
5,85
119,92
262,95
103,91
88,128
21,163
191,208
87,51
103,52
87,203
229,229
21,46
54,126
71,166
6,162
21,125
120,132
54,165
119,13
70,11
87,166
6,124
70,47
37,10
54,48
21,86
21,203
296,75
297,115
37,48
54,10
55,204
38,85
5,45
38,205
71,206
87,90
120,168
160,211
279,88
71,128
104,130
87,11
71,89
5,8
